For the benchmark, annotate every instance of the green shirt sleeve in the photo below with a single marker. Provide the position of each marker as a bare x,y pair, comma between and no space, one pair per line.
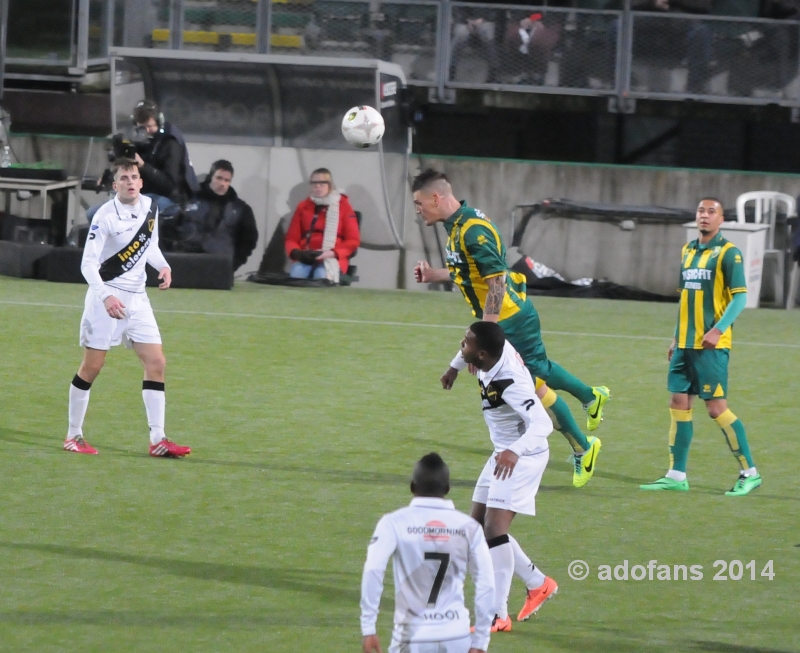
733,269
484,246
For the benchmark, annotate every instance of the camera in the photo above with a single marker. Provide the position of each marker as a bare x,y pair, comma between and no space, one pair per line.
121,148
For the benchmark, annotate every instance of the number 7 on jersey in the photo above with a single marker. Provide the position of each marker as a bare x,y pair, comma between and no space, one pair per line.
444,561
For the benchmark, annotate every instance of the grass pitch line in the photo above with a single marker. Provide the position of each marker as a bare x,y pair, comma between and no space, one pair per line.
341,320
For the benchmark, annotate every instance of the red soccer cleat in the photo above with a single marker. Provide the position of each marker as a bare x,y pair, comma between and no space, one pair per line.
501,625
78,445
535,597
168,449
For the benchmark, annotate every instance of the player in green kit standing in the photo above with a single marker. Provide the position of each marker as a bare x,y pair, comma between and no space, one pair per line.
713,293
476,263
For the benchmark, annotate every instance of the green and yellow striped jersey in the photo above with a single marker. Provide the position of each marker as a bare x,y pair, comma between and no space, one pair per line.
710,275
475,253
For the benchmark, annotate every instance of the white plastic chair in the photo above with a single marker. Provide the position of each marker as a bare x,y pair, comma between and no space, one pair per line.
766,205
794,282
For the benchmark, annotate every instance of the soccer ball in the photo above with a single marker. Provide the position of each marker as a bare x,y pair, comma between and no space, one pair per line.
363,126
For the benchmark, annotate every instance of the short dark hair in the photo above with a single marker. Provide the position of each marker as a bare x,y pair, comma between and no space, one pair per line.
322,171
221,164
123,164
427,177
431,477
712,199
489,337
145,110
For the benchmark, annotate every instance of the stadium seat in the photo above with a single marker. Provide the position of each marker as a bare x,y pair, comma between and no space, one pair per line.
23,260
766,212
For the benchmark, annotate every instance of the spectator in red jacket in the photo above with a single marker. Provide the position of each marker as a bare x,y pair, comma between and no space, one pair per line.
323,232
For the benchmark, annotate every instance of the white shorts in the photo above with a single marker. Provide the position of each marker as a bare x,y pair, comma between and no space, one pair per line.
101,331
517,493
460,645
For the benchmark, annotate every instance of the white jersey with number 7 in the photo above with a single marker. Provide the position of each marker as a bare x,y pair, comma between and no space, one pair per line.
434,545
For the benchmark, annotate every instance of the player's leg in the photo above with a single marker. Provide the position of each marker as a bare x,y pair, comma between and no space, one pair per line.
713,374
496,524
538,587
524,331
526,479
592,398
155,401
79,391
682,382
536,582
478,511
584,450
142,334
97,334
500,550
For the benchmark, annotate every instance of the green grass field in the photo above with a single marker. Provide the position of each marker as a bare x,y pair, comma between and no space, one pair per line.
306,409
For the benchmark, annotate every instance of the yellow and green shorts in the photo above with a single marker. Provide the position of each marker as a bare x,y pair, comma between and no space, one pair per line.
699,372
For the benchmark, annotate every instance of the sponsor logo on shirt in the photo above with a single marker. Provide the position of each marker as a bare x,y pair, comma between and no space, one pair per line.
453,258
435,531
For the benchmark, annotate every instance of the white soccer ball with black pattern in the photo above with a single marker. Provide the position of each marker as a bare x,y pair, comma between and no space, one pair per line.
363,126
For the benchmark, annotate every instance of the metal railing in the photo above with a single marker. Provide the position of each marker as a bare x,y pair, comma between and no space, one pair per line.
447,44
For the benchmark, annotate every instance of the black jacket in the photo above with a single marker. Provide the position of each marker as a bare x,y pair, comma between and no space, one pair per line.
219,224
165,169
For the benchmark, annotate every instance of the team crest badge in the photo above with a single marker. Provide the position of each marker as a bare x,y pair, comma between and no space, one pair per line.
715,251
151,225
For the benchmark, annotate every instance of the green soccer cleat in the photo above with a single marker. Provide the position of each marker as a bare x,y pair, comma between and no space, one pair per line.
667,483
594,410
744,485
585,463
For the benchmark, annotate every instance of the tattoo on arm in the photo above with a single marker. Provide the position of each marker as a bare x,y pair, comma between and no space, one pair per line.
494,298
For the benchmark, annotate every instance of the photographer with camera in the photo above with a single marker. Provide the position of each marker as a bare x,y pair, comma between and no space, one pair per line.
163,158
160,151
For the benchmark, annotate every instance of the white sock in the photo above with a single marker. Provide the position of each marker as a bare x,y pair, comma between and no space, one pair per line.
675,475
155,403
503,563
78,403
750,472
524,567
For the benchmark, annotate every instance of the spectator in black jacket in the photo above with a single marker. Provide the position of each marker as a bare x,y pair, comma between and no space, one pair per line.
218,222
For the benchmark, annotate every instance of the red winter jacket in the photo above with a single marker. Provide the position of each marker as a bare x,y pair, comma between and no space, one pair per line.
348,237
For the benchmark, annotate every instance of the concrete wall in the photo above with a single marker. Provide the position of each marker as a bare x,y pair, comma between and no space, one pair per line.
272,181
645,258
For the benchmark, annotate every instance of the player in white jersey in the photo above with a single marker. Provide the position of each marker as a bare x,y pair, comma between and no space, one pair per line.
518,427
433,546
123,237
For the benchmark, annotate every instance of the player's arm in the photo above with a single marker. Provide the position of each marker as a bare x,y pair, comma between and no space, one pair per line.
92,257
155,258
424,273
456,365
482,572
733,273
494,298
90,267
381,547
